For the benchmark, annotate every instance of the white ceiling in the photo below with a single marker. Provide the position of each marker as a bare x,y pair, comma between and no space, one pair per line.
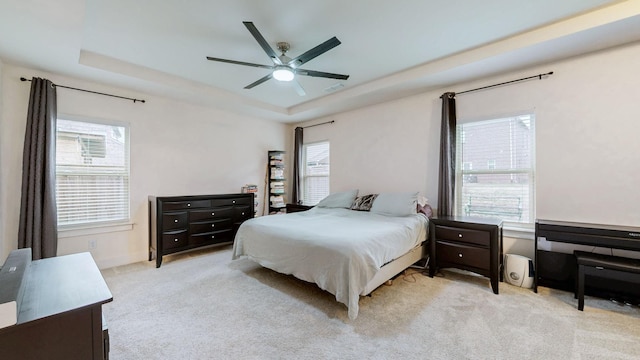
389,48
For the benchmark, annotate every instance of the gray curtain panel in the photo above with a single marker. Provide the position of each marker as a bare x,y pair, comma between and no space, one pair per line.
297,166
447,173
38,227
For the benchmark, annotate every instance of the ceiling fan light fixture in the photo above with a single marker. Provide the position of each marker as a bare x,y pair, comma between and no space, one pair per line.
283,73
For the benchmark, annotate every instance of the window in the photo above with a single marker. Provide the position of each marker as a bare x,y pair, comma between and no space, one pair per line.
92,173
495,169
315,173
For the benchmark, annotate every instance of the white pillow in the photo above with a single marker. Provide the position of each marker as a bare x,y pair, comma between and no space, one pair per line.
422,201
339,200
395,204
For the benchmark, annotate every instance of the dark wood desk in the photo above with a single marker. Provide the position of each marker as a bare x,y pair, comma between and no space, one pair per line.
557,269
61,312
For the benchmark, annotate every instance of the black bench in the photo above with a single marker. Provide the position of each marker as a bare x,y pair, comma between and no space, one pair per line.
604,266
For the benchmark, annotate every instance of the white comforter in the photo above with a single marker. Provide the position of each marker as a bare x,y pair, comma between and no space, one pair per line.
338,249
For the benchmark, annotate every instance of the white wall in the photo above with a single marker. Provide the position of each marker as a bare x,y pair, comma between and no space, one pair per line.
382,148
587,147
2,226
176,149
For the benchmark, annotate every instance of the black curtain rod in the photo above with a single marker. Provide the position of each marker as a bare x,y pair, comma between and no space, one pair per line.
89,91
539,76
328,122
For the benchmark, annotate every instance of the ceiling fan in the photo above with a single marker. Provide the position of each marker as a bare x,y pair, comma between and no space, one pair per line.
285,68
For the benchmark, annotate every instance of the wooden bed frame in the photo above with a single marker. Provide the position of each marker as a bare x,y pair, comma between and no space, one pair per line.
393,268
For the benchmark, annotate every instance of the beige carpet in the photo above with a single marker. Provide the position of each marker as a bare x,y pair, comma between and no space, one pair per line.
203,305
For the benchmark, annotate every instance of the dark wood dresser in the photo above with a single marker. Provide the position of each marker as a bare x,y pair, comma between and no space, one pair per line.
59,308
179,223
467,243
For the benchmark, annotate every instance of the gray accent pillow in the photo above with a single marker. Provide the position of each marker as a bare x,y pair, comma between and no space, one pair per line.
363,203
395,204
339,200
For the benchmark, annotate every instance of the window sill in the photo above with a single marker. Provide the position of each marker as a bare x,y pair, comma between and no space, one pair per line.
92,230
518,232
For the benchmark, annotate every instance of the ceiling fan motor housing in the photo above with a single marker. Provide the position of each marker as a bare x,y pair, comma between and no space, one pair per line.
283,46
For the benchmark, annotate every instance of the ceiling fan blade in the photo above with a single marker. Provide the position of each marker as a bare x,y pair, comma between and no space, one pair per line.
259,81
299,89
321,74
239,62
260,39
315,52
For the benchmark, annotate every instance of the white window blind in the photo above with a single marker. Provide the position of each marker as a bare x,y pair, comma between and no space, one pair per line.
495,169
315,179
92,173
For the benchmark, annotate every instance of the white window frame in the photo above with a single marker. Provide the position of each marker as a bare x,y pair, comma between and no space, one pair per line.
100,226
512,228
306,176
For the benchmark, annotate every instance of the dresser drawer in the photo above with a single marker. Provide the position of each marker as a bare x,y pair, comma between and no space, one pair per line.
212,237
174,220
203,227
211,214
231,202
183,205
478,237
174,239
242,213
462,254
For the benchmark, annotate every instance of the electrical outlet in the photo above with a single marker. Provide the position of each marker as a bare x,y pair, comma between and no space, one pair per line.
93,244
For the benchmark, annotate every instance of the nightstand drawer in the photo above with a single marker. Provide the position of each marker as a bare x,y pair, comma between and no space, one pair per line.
462,254
481,238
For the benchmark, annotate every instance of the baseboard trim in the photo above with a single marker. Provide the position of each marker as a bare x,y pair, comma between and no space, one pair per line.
130,258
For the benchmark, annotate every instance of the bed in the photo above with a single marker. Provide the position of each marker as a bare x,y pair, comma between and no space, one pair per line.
346,252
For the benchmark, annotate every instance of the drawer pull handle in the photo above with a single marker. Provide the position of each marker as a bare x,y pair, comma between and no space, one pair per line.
460,255
176,240
213,214
243,214
234,201
213,225
189,205
175,221
459,235
213,236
